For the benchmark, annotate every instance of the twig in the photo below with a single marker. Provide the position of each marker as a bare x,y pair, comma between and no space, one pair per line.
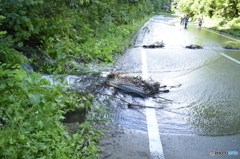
130,104
175,86
165,99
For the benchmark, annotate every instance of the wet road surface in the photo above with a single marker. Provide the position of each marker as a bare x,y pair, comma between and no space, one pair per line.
204,114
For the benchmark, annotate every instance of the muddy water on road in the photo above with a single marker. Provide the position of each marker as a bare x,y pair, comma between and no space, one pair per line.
208,101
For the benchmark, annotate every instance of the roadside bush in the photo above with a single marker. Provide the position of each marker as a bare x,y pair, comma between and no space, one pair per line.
9,55
31,112
234,25
90,30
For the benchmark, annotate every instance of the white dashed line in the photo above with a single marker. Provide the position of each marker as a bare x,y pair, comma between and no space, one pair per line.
155,144
230,58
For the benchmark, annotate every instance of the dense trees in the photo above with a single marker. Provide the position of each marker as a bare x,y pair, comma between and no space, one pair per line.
228,9
223,14
66,26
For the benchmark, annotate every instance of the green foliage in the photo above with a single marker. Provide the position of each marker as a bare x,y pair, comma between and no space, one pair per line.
32,114
2,32
90,30
158,4
185,6
232,27
227,9
7,53
21,18
225,12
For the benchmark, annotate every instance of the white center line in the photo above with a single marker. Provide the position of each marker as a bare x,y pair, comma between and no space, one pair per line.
230,58
221,34
155,144
228,38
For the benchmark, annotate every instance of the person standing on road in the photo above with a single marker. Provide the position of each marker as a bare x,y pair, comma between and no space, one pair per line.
200,21
182,19
186,18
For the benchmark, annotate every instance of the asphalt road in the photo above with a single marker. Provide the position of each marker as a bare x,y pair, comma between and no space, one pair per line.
204,114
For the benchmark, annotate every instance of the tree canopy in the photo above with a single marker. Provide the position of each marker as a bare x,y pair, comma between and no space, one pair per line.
222,15
227,9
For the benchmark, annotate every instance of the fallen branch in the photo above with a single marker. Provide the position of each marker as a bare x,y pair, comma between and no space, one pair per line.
164,99
135,85
192,46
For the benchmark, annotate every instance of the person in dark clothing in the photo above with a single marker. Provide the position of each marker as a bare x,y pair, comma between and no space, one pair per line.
200,20
186,18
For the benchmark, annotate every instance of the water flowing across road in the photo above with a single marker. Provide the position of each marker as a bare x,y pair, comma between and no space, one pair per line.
201,115
206,104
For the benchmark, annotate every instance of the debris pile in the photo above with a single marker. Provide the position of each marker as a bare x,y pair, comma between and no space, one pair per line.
193,46
155,45
136,85
231,48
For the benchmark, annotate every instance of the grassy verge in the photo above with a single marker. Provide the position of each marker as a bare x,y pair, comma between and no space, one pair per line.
229,27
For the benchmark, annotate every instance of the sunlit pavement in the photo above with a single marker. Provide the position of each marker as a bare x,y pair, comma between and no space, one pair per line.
203,121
